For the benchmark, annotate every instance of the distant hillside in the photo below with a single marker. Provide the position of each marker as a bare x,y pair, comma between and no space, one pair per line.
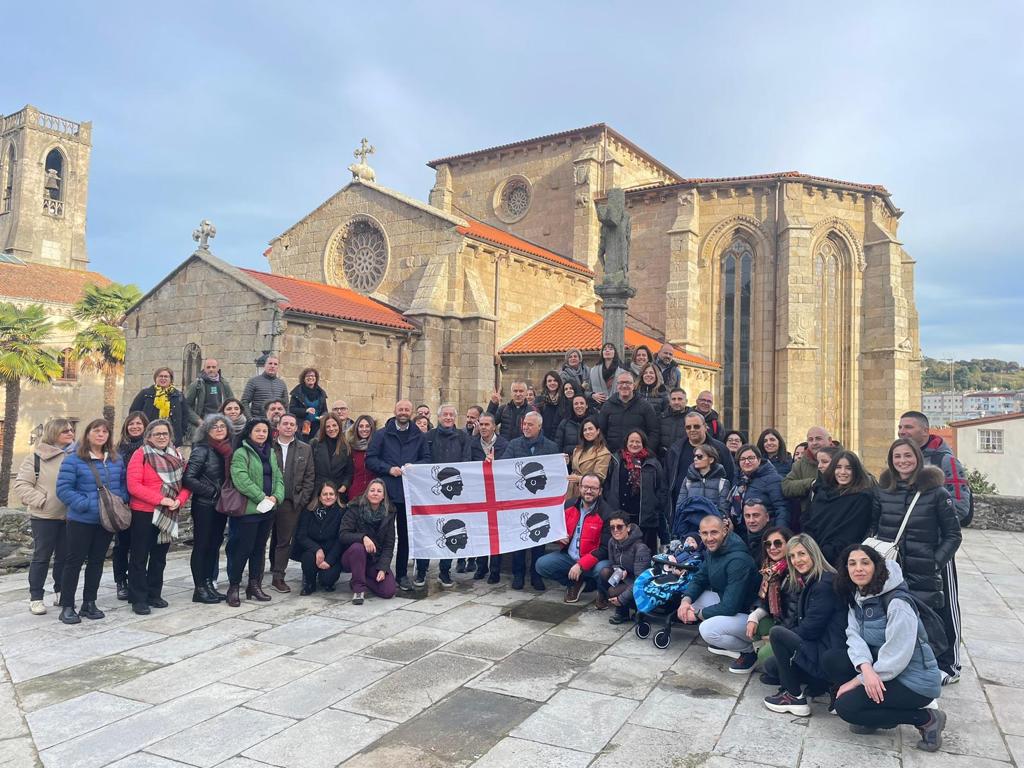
971,375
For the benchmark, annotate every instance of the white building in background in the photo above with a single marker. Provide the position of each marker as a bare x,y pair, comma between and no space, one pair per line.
992,403
993,445
942,407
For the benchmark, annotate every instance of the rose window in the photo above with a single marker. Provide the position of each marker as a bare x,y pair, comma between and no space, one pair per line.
365,256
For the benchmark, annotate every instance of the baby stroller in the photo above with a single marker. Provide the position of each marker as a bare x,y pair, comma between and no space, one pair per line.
658,590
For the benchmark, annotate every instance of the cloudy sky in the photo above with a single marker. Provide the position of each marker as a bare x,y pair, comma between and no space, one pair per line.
248,116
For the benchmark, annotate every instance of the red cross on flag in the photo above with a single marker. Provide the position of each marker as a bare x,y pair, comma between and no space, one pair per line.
473,508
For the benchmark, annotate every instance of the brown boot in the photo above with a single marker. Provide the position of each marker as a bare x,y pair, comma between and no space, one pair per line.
601,603
233,599
279,584
255,591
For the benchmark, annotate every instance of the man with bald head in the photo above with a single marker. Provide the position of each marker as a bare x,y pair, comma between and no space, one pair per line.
206,394
797,484
391,448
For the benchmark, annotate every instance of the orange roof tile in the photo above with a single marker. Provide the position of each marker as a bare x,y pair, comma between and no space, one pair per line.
495,236
331,301
40,282
569,327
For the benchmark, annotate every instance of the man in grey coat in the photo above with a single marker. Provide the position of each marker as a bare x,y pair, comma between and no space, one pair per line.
261,389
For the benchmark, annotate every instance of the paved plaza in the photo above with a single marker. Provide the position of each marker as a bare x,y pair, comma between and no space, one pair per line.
477,675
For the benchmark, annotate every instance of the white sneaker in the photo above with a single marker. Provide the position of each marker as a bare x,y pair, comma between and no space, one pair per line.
723,652
37,607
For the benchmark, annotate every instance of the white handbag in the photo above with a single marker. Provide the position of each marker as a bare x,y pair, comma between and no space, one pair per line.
890,550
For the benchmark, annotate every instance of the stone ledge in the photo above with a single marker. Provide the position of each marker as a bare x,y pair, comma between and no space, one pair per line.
999,513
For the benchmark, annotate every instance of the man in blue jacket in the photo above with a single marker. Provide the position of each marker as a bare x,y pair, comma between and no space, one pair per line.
721,594
391,448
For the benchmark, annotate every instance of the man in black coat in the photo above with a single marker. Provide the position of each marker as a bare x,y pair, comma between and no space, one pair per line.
150,400
391,448
755,523
532,443
446,444
622,414
671,425
296,459
680,456
704,402
509,417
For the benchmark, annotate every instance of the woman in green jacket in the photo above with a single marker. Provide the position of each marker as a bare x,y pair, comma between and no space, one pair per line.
257,475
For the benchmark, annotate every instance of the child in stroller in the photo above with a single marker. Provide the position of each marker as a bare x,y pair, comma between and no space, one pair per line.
658,590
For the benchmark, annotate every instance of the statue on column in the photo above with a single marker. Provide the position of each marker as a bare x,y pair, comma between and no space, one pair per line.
613,249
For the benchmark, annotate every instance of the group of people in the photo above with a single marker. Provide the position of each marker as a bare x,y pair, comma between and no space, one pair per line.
782,533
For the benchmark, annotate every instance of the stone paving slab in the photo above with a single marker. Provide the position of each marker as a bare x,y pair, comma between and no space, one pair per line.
476,675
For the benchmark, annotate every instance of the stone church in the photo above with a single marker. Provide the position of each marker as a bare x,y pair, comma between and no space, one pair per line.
788,295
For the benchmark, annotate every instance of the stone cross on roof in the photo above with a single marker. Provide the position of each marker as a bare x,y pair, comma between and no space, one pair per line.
361,170
203,234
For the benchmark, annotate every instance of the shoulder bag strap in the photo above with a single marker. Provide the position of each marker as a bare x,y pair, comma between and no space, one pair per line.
36,462
906,517
95,474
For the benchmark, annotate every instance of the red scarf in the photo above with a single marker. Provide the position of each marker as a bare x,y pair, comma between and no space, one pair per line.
772,575
634,464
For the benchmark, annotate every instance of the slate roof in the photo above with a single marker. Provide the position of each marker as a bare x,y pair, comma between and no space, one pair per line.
568,327
311,298
43,283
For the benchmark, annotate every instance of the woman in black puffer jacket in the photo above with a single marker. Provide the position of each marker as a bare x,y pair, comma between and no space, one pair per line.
932,535
204,475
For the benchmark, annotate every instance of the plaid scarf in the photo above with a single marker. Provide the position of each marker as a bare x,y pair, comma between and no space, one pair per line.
772,575
170,467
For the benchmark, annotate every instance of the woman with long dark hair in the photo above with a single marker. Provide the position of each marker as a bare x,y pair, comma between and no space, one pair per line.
568,435
650,387
95,462
889,674
155,485
841,509
636,485
256,474
641,357
208,466
317,543
131,440
358,439
602,376
590,456
757,479
332,460
772,446
308,404
235,412
550,404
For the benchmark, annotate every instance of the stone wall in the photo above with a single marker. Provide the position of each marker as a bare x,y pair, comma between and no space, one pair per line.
999,513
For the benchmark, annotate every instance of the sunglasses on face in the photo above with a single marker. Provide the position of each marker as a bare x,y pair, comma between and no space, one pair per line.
68,431
774,544
618,527
699,456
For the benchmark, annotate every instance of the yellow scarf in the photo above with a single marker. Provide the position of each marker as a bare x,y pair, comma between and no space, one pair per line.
162,401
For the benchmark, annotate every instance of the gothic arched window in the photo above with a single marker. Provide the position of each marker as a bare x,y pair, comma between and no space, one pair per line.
69,364
191,363
54,181
737,279
8,181
831,333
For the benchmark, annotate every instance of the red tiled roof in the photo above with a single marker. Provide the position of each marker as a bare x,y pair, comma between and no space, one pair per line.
40,282
568,327
481,231
765,177
331,301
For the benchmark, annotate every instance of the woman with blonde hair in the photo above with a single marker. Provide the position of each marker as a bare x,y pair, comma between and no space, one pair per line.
798,653
36,488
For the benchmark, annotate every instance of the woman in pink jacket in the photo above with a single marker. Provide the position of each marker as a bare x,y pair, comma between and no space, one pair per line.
155,475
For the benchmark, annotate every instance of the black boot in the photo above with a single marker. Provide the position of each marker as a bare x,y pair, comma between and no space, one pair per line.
122,590
68,615
90,611
308,588
212,589
201,594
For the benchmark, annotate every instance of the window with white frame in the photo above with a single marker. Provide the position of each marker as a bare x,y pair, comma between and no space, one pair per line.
990,441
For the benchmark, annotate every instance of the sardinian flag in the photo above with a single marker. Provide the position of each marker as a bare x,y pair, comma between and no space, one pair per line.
476,508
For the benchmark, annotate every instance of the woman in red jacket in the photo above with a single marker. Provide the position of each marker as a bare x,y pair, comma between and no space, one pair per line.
359,435
156,493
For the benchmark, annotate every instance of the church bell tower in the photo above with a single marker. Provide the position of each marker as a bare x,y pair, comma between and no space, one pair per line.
44,188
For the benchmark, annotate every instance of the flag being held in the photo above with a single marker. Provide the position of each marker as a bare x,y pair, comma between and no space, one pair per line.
473,508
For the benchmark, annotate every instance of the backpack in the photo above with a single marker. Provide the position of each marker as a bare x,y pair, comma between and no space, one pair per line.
936,461
930,620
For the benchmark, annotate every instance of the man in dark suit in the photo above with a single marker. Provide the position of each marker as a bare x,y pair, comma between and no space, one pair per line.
296,459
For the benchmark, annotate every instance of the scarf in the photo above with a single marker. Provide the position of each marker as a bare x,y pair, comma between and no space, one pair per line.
127,447
320,513
162,400
208,377
634,465
488,446
608,369
368,518
223,447
237,425
772,575
263,452
359,444
170,468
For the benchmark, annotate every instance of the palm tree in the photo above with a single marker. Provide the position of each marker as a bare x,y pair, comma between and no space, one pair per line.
99,341
23,332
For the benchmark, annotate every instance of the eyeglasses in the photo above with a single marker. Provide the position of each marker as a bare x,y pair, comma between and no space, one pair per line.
694,427
159,434
774,544
68,431
747,459
591,488
619,527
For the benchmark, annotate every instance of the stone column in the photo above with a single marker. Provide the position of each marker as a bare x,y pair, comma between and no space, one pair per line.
615,302
682,293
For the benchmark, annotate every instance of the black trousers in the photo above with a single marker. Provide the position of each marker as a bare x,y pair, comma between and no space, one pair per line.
49,539
313,575
443,566
901,706
146,559
950,661
87,543
519,562
247,543
122,545
402,536
782,664
207,534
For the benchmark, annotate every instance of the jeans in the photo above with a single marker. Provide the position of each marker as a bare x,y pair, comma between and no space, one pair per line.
364,573
247,543
286,518
146,560
726,632
207,534
783,665
556,565
49,539
87,543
